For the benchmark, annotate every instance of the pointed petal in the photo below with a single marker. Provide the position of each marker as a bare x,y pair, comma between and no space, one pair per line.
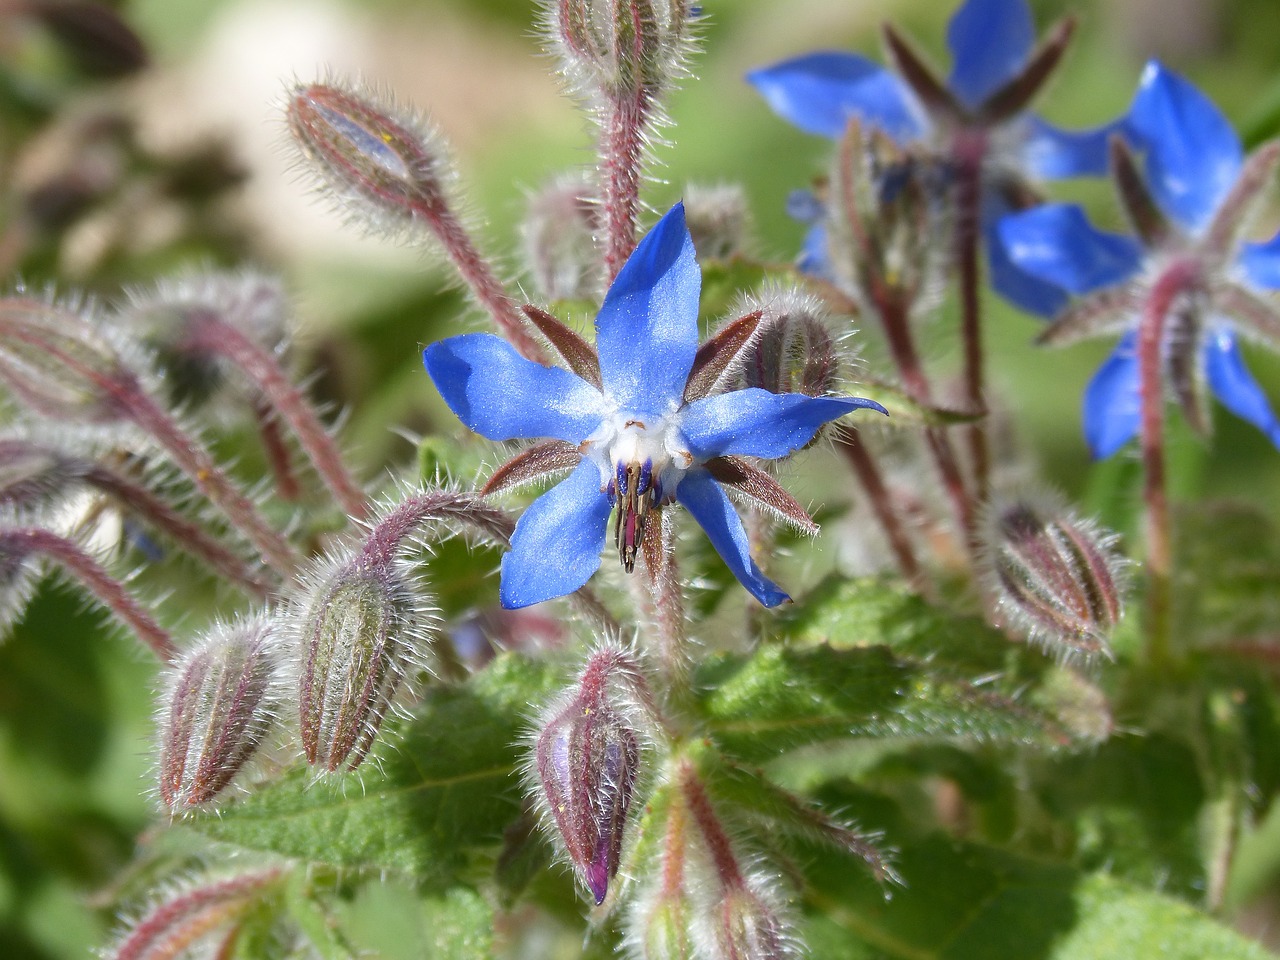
708,504
1250,191
551,456
1261,263
1056,243
556,545
764,491
1051,153
1140,207
647,329
578,355
990,41
1111,402
1024,290
1113,310
1193,155
715,356
1231,381
935,96
757,423
1252,316
819,92
501,395
815,254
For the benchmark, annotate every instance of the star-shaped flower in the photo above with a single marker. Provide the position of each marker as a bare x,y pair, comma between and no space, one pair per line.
978,116
634,419
1189,206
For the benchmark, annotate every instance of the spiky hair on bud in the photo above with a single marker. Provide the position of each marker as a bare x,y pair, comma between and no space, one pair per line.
797,347
584,762
382,165
718,219
558,240
1057,579
218,705
196,916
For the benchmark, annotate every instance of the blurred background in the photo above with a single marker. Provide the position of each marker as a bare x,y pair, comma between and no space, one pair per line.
121,164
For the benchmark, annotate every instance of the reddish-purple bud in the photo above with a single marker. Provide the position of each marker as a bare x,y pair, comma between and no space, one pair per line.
742,926
559,231
370,151
61,365
793,350
218,707
587,759
1057,579
621,47
32,476
196,920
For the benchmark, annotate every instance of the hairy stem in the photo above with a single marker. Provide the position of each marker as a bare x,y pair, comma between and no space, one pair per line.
864,466
109,590
621,153
970,152
667,604
273,445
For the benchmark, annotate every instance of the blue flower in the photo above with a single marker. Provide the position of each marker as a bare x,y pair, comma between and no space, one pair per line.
978,116
628,422
1189,205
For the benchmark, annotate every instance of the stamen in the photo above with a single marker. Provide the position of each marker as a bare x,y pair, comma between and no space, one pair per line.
636,496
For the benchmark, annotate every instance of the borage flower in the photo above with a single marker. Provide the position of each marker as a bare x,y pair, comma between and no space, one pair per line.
977,120
634,421
1189,268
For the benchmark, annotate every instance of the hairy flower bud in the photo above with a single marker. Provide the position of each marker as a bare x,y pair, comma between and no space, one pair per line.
662,930
32,476
370,151
621,47
742,926
218,706
1057,579
793,350
586,759
361,636
717,219
196,920
61,365
559,241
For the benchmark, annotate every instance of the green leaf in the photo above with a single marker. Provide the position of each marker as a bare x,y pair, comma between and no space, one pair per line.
780,698
446,789
389,920
876,611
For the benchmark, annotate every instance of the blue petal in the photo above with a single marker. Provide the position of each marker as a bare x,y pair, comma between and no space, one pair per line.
990,41
1193,156
709,505
757,423
1056,243
1051,153
1112,403
1261,263
815,254
819,92
501,395
556,545
647,329
1233,384
1024,290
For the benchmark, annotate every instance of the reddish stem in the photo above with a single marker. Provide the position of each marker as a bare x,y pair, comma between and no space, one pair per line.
217,336
621,151
1176,279
970,151
93,575
713,833
273,444
849,443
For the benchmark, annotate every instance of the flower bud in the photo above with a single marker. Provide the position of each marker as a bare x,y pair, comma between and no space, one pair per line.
663,931
621,47
742,926
793,350
587,758
60,365
32,476
218,706
389,161
361,636
559,241
201,915
1057,579
717,219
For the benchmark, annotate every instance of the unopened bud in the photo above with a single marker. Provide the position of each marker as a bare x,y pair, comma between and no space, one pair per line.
1057,579
361,637
662,930
744,927
559,241
717,220
196,920
218,707
61,365
171,319
587,758
794,350
621,47
369,150
32,476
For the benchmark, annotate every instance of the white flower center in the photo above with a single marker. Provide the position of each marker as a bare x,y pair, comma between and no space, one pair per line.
641,461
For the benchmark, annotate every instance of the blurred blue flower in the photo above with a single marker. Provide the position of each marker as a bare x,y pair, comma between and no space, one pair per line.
1190,205
639,444
979,115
